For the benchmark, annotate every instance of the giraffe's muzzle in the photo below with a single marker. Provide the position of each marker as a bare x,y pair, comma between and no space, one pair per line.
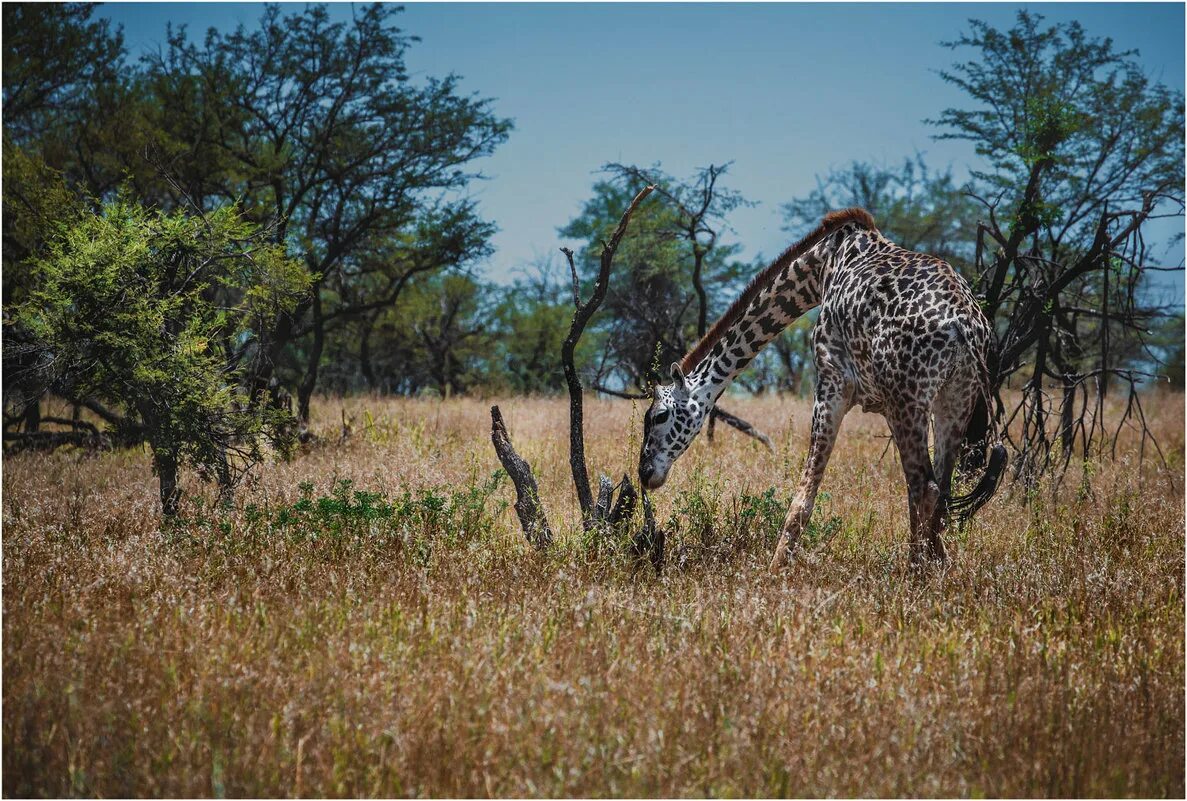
651,478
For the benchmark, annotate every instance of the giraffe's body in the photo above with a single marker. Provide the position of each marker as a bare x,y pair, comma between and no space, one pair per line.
899,333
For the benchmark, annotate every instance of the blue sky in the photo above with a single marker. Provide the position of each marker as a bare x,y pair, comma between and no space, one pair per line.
786,91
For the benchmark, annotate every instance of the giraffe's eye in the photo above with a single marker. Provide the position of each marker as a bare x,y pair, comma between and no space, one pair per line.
660,417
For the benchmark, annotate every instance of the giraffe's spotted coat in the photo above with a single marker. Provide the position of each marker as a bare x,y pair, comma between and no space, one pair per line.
899,333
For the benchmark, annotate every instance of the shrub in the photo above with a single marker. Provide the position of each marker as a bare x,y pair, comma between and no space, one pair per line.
160,316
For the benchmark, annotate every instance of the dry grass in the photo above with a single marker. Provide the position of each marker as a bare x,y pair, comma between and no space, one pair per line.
308,650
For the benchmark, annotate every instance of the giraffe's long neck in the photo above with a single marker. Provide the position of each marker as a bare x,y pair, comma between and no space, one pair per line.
791,289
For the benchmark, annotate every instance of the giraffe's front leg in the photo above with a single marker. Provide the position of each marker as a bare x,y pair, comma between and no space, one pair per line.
828,410
794,524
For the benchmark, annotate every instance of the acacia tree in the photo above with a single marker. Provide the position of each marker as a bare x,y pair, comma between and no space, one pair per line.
145,315
1083,151
918,208
1080,153
317,126
65,133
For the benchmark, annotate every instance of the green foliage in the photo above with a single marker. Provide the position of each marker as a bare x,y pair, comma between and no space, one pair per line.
346,522
708,527
652,305
533,317
1071,105
761,514
917,208
158,314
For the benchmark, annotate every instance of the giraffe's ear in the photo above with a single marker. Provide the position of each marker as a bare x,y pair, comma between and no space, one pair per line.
677,374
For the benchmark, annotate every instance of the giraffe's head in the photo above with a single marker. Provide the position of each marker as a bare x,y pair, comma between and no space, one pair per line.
669,427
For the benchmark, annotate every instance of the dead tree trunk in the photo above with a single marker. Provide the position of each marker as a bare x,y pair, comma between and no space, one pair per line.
166,464
613,514
527,494
583,311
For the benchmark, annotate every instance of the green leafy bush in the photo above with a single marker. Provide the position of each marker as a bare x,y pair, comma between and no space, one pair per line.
347,522
161,315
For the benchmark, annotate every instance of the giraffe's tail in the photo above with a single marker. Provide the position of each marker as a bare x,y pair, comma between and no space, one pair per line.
981,431
976,437
963,507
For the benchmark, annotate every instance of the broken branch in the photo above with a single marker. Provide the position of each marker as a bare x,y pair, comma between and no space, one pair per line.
650,539
738,423
527,494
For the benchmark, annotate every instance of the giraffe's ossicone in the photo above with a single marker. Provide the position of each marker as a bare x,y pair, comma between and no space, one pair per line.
899,333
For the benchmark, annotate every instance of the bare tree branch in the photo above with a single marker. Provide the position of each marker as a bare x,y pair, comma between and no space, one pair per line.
583,311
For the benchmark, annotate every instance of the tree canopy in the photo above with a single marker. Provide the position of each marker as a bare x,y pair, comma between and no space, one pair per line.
157,315
317,126
671,273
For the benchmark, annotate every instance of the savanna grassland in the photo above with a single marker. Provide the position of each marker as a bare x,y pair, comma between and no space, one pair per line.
396,636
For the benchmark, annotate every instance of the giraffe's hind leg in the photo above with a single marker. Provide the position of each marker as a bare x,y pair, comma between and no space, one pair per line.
833,400
952,410
909,425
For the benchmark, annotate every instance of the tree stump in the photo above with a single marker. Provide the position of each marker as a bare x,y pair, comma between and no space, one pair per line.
527,494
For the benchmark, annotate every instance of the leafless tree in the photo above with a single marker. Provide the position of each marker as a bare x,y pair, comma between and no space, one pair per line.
605,511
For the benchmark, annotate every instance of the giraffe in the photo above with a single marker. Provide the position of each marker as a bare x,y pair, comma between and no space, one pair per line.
899,333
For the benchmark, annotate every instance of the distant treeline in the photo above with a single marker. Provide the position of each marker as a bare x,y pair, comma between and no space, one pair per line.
237,221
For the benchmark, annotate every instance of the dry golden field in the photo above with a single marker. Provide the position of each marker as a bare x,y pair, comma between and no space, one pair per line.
397,637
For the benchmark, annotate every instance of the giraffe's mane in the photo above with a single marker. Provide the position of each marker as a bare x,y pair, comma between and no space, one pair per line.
831,221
